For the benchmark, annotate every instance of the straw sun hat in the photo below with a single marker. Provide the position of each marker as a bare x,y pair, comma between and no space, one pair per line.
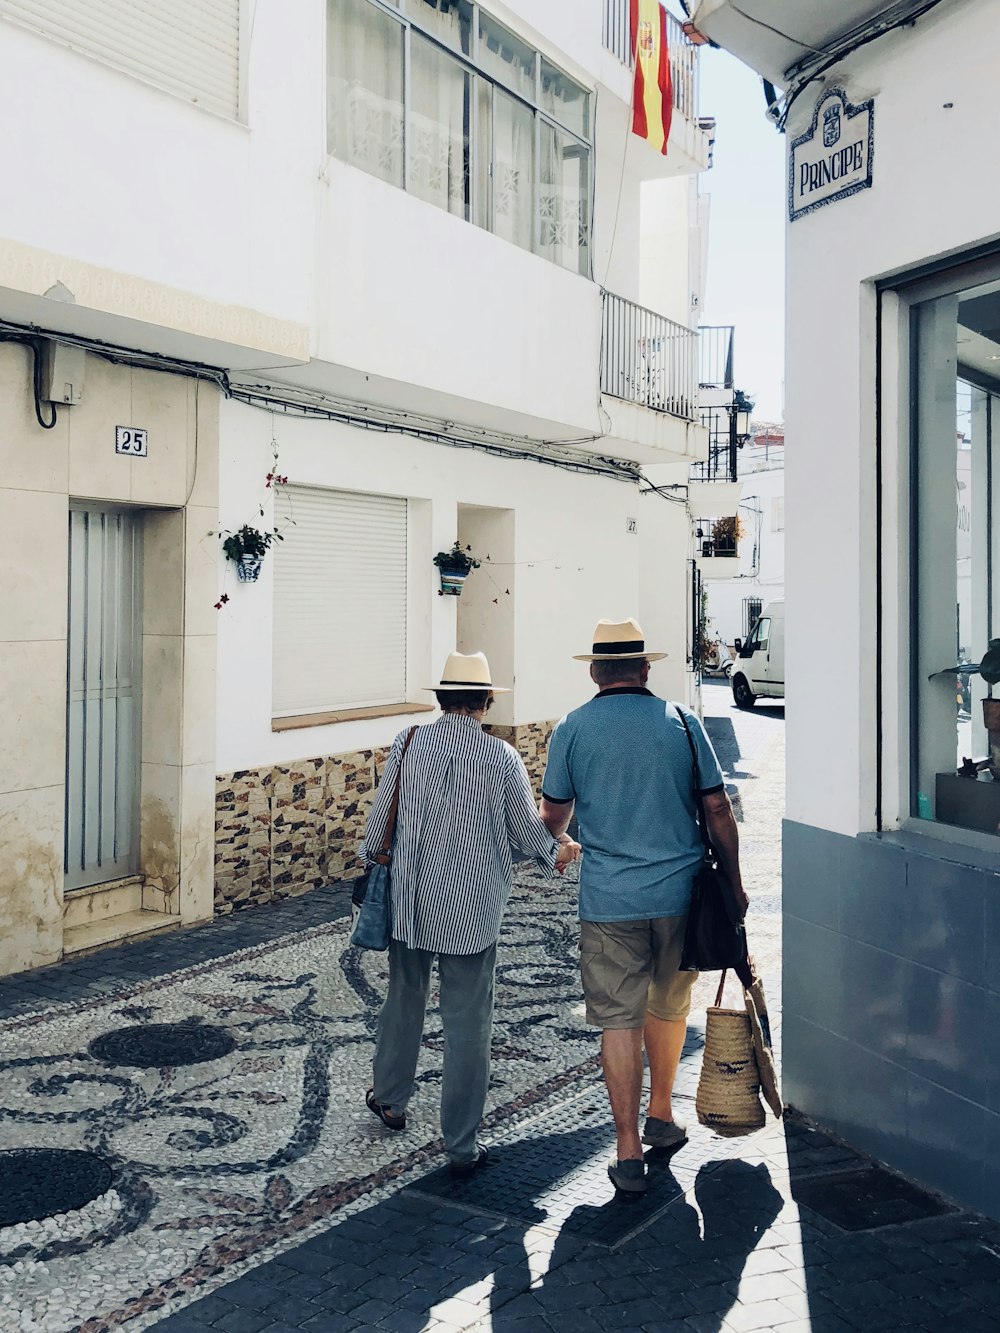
467,671
618,639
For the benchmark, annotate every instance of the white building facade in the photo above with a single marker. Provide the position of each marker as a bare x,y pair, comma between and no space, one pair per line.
393,255
892,927
736,596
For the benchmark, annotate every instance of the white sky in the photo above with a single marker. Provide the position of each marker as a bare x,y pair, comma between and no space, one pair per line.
746,261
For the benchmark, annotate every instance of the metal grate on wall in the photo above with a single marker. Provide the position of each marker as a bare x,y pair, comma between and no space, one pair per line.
752,607
188,47
103,697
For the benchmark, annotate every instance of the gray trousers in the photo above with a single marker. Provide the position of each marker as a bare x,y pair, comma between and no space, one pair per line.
466,985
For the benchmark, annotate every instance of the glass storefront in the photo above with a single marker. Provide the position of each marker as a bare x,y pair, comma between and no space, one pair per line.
954,609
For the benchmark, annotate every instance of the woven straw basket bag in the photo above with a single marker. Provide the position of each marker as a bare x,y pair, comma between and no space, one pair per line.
728,1099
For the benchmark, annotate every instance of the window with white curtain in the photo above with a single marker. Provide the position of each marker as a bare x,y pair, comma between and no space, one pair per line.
778,513
439,98
340,578
440,126
365,88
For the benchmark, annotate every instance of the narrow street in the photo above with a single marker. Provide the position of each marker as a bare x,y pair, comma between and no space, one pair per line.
222,1070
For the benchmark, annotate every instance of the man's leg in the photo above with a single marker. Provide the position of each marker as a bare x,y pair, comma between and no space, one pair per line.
467,1019
401,1025
664,1042
667,1006
616,962
621,1057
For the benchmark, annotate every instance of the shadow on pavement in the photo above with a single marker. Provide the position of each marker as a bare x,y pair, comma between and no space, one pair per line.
686,1262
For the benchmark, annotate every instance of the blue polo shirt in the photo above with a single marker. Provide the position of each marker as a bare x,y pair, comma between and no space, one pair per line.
624,759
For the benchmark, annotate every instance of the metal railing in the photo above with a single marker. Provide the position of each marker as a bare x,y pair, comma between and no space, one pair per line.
715,356
684,64
648,359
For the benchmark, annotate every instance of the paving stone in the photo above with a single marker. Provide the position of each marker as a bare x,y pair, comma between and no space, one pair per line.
759,1315
292,1310
243,1321
767,1287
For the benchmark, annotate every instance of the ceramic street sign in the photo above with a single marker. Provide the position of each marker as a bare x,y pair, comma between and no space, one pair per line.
833,158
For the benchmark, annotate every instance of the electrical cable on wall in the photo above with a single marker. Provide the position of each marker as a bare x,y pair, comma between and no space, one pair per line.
854,41
272,398
34,344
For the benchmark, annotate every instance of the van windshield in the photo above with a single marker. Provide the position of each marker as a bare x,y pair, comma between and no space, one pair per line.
758,638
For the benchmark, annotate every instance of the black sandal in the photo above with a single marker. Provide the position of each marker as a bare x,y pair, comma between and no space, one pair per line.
387,1116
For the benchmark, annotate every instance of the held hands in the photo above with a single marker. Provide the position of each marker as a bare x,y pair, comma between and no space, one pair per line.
569,851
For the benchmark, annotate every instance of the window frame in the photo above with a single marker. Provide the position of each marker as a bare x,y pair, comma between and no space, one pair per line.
405,14
895,303
315,714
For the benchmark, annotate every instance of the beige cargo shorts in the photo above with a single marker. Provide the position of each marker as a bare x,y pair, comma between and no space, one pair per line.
630,968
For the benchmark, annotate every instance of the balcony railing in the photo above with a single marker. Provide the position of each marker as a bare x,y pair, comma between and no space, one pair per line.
683,54
715,375
715,356
648,359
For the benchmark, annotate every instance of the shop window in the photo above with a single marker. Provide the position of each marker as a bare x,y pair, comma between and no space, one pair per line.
955,748
341,565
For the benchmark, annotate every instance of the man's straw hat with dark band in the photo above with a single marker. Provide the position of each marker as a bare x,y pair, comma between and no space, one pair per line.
467,671
616,640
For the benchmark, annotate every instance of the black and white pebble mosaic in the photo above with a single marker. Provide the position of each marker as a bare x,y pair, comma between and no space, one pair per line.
227,1159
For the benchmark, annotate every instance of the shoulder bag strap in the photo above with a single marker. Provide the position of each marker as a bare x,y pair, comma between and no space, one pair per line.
702,826
385,855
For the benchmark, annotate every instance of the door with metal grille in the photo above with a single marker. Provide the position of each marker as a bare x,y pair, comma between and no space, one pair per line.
104,703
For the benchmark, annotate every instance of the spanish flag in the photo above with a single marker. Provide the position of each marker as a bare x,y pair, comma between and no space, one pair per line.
653,93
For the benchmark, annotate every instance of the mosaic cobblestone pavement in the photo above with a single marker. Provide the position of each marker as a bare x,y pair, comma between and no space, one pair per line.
287,1207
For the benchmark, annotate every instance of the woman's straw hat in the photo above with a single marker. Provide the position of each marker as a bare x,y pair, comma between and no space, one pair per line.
615,640
467,671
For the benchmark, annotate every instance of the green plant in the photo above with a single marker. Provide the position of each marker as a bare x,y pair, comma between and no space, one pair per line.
726,532
457,560
248,541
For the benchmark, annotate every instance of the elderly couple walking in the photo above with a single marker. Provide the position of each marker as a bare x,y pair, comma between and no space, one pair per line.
630,765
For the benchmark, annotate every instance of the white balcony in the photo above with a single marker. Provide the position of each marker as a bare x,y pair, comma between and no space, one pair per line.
649,383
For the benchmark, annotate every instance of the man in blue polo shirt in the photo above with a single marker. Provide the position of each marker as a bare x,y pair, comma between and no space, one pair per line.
624,762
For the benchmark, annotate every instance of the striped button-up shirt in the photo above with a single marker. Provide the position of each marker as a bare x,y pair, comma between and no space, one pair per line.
465,807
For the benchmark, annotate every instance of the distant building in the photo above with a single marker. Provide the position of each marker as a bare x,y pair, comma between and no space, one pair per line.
737,596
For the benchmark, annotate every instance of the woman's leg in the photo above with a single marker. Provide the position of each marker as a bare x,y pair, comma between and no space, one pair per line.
467,1019
401,1025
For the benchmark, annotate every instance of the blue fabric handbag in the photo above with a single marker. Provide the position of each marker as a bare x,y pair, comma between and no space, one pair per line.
371,916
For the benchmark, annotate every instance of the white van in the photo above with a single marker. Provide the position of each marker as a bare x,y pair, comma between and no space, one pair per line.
759,671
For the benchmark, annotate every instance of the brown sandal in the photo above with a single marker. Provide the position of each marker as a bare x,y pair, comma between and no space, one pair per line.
388,1117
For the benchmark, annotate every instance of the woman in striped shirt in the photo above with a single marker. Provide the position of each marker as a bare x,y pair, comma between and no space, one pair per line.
465,809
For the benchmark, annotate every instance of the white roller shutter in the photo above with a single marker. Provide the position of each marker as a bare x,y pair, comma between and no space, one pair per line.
189,47
340,603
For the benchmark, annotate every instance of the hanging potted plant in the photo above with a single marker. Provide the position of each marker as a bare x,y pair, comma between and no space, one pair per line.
246,548
454,567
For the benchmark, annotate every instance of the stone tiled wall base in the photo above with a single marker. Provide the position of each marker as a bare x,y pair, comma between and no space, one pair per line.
531,741
282,831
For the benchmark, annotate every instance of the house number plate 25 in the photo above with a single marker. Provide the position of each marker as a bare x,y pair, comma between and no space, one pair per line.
131,440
